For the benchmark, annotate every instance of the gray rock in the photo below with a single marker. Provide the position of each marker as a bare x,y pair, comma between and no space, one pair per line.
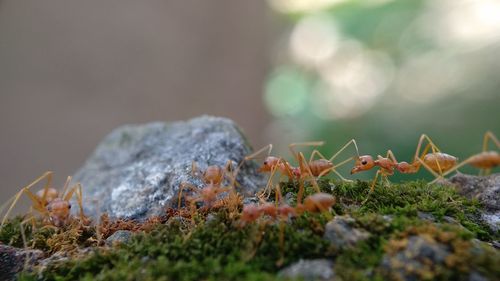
120,236
419,254
13,260
342,234
492,219
450,220
426,216
319,269
476,276
136,171
486,190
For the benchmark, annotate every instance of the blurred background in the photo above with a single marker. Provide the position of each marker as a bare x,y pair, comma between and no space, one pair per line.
379,71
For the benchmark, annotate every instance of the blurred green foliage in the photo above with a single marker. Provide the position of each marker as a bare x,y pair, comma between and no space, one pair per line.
433,64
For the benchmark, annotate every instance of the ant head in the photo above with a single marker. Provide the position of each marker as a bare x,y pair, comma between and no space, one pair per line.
269,163
296,172
363,163
58,211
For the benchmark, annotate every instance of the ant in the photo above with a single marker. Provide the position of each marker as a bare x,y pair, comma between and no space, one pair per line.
52,205
317,203
252,212
485,160
436,162
316,168
271,164
213,178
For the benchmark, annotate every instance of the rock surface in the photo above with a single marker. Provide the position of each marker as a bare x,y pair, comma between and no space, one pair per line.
136,171
342,234
309,270
418,257
121,236
486,190
13,260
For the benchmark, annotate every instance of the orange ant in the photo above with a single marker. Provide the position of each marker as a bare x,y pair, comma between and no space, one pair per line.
317,203
436,162
213,178
485,160
54,206
271,164
281,210
316,168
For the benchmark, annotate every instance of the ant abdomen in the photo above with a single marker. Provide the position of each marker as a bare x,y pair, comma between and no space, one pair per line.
440,161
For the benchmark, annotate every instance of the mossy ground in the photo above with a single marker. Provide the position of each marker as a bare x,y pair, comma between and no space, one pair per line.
221,249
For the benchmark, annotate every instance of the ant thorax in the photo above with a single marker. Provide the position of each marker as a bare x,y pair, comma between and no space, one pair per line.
385,163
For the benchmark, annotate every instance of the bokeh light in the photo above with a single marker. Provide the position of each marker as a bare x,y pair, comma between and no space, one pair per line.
385,72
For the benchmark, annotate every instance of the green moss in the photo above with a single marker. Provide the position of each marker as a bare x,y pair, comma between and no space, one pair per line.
223,250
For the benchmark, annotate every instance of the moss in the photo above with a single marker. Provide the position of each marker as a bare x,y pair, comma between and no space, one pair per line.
220,249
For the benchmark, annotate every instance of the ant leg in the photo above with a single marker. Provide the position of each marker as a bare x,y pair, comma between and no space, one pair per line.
390,155
423,138
487,172
281,238
270,180
353,142
332,168
65,187
277,191
192,207
435,150
38,203
490,136
252,156
195,171
46,187
305,167
372,186
76,189
436,175
300,194
458,166
314,153
310,143
184,185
